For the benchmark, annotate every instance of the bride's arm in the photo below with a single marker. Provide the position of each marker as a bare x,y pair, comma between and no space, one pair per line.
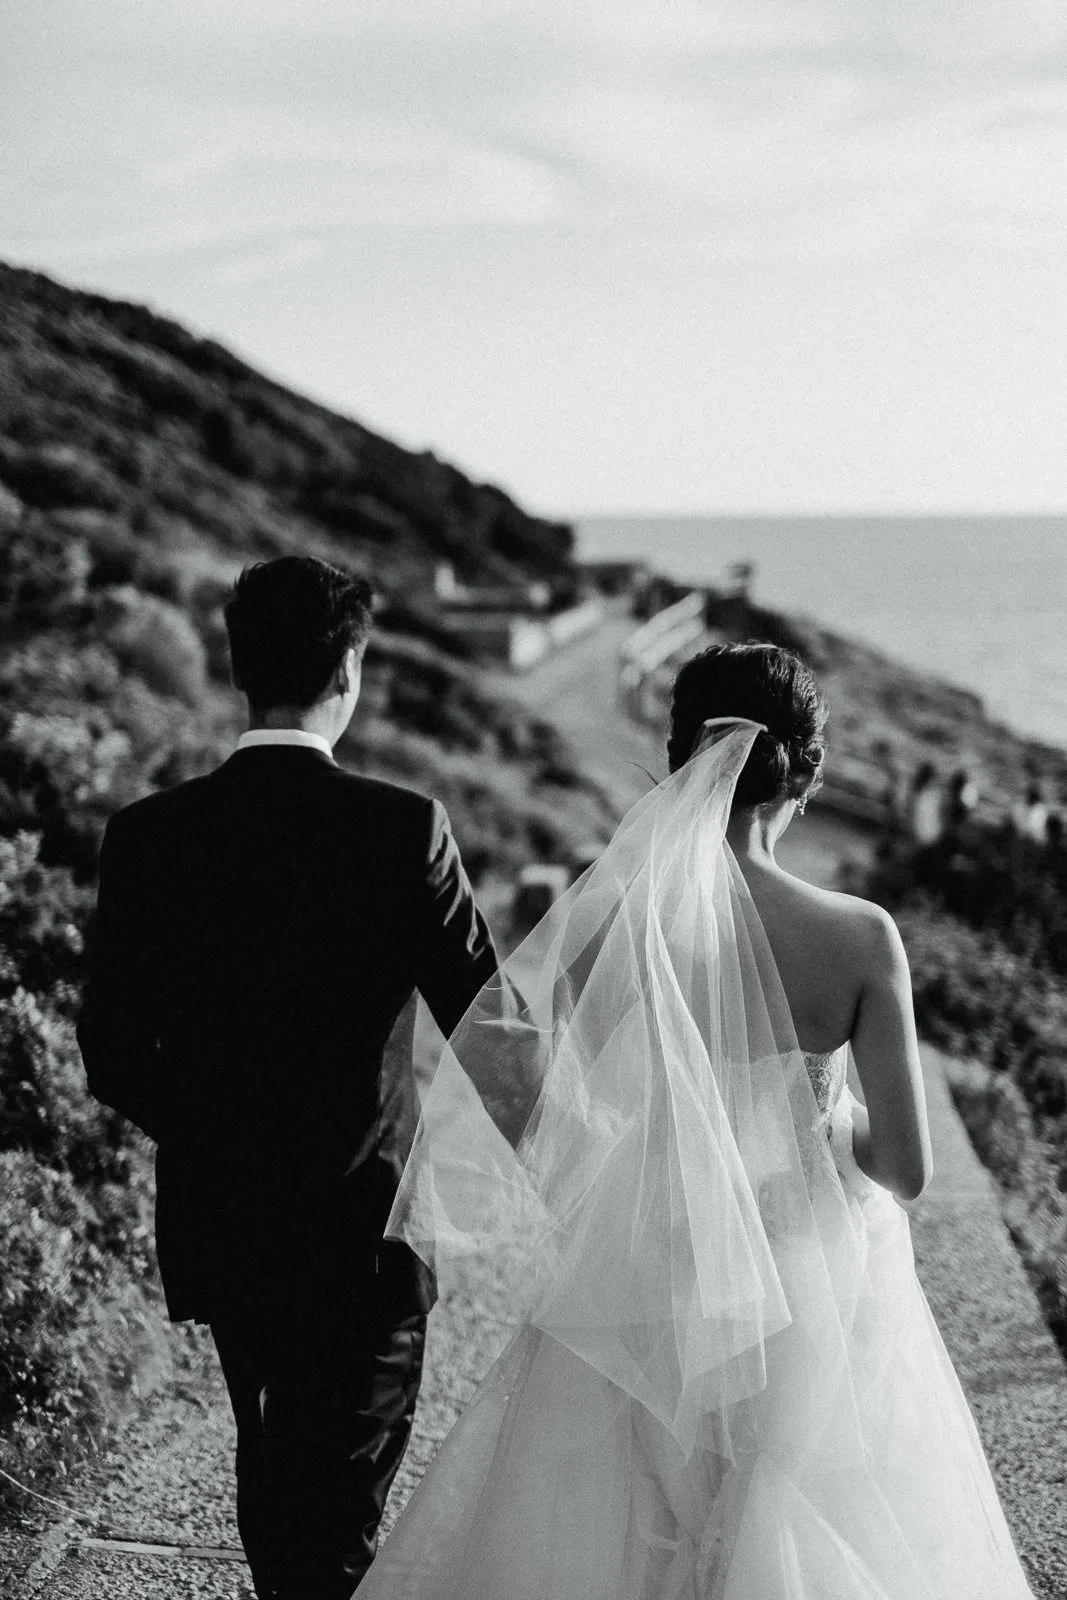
859,1124
891,1141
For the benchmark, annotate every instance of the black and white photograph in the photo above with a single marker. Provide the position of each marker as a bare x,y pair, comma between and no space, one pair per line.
533,771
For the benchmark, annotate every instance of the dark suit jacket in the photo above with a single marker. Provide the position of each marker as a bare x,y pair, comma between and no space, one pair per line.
258,933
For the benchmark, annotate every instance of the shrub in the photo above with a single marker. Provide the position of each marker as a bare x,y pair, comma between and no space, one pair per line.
1009,887
95,739
77,1326
10,511
80,1334
62,475
158,642
165,387
228,441
974,996
47,1112
53,670
43,914
58,775
43,574
114,550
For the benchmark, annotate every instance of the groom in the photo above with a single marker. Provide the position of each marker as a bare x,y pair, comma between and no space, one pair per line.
258,933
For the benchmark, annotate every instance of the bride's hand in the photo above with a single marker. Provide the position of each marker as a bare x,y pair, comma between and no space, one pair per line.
850,1142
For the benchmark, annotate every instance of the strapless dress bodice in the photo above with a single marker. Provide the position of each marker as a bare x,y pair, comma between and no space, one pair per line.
827,1074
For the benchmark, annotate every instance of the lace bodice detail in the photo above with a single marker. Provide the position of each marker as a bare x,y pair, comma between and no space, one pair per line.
827,1074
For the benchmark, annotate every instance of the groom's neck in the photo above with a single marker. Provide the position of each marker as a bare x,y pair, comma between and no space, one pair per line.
309,719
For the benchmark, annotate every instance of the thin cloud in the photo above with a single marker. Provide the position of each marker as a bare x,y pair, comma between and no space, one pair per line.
600,116
279,259
510,208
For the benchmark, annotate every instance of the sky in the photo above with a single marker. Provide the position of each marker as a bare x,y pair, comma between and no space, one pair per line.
616,255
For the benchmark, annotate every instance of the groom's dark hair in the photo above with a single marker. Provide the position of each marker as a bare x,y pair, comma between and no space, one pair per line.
291,623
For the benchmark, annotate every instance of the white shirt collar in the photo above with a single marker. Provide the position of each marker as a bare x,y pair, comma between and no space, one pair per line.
297,736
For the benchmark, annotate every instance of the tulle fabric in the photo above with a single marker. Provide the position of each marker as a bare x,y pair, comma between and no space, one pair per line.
724,1381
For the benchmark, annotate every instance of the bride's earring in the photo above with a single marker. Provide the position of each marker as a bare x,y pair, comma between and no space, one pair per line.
802,804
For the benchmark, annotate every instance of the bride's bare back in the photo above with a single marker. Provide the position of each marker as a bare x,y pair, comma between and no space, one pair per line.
846,979
840,959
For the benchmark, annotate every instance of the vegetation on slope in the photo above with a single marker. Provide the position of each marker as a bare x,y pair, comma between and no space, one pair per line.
105,406
140,468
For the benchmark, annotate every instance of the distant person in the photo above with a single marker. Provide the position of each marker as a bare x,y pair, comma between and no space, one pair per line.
724,1379
960,802
883,753
925,806
740,578
259,931
1031,815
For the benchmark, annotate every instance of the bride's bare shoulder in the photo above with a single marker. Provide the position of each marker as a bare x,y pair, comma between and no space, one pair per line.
867,927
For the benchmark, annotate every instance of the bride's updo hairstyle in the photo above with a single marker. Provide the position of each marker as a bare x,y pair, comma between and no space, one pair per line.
766,684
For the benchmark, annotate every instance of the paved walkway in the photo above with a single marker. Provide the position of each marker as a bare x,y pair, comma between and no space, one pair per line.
1014,1375
577,689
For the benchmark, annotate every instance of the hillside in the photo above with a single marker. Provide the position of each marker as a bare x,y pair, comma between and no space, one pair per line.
140,467
106,406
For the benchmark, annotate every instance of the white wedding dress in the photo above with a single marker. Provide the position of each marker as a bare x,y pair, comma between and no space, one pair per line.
724,1382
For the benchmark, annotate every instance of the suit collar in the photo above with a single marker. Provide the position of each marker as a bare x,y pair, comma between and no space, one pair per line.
297,738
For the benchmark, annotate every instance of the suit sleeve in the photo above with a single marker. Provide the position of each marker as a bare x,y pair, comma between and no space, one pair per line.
118,1027
456,951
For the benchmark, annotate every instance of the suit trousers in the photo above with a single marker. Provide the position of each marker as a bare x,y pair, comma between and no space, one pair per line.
324,1398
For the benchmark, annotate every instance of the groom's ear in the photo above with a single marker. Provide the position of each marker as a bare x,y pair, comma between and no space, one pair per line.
350,673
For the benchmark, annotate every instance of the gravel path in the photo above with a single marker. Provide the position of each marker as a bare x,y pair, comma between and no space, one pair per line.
171,1483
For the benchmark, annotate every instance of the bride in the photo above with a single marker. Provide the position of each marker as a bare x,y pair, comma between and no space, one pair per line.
724,1381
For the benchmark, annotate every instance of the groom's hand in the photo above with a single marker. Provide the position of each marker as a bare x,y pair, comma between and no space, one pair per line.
117,1028
456,952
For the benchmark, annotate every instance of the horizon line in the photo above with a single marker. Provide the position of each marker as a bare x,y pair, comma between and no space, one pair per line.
818,515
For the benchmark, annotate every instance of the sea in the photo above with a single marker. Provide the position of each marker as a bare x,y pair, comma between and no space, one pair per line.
980,601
